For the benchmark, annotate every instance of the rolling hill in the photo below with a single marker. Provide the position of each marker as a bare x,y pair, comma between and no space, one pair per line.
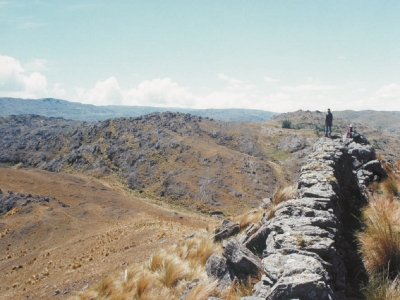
81,199
50,107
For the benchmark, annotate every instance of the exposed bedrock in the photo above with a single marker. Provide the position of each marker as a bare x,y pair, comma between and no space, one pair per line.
306,250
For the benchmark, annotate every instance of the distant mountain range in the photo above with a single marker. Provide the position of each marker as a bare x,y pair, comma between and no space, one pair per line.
50,107
385,121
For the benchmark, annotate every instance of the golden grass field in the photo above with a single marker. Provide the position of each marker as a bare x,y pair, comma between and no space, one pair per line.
45,248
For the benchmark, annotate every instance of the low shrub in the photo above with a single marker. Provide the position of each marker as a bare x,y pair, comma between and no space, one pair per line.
286,124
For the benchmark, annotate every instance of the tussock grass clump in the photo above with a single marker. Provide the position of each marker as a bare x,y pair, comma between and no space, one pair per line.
156,260
173,270
239,289
203,290
249,218
381,288
164,275
391,186
380,241
279,196
284,194
143,282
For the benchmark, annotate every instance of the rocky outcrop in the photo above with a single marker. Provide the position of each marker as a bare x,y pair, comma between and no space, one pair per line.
306,246
165,156
227,229
13,200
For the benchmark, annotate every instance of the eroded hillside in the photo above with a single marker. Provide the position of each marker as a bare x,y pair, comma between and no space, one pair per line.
177,158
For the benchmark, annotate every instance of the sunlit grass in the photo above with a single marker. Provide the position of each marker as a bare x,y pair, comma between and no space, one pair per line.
381,288
279,196
164,275
249,218
379,243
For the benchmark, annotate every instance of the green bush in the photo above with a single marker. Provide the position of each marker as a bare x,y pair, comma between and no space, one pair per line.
286,124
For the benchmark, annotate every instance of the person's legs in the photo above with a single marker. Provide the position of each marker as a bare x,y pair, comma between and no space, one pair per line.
330,130
326,130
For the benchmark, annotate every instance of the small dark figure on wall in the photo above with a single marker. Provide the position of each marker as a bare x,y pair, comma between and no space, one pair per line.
328,123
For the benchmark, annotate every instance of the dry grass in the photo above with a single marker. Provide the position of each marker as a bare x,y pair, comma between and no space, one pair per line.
279,196
164,275
251,217
381,288
173,270
142,283
238,289
284,194
391,186
203,290
380,241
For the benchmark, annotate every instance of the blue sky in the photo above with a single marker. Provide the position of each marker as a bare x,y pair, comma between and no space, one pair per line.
273,55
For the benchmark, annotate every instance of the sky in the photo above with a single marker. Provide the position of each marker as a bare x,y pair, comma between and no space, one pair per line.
278,56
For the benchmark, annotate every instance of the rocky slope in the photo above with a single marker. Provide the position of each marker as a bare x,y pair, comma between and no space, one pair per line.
177,158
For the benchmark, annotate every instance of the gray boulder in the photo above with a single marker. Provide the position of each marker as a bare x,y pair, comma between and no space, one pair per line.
301,286
241,259
225,230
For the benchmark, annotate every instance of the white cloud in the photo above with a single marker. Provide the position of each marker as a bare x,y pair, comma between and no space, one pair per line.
58,91
391,90
37,65
105,92
222,76
308,88
230,80
270,79
15,82
160,92
36,84
156,92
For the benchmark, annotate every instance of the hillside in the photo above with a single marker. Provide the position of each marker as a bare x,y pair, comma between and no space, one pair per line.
384,139
185,160
86,112
85,204
388,122
87,198
68,232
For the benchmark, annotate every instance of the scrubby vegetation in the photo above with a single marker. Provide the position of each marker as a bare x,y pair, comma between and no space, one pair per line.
180,269
290,125
286,124
164,275
168,273
380,240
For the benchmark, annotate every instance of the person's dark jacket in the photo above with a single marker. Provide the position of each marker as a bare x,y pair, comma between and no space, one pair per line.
328,119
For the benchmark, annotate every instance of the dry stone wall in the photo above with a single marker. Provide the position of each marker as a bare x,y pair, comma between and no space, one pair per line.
306,249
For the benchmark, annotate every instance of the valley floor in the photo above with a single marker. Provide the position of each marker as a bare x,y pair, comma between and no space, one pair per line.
88,230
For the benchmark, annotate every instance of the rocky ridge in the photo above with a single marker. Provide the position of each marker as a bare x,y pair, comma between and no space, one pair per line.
15,201
172,157
306,249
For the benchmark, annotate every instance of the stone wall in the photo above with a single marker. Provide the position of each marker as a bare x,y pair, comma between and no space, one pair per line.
306,249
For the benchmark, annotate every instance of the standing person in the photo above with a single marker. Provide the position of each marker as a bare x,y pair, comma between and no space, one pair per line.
328,123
